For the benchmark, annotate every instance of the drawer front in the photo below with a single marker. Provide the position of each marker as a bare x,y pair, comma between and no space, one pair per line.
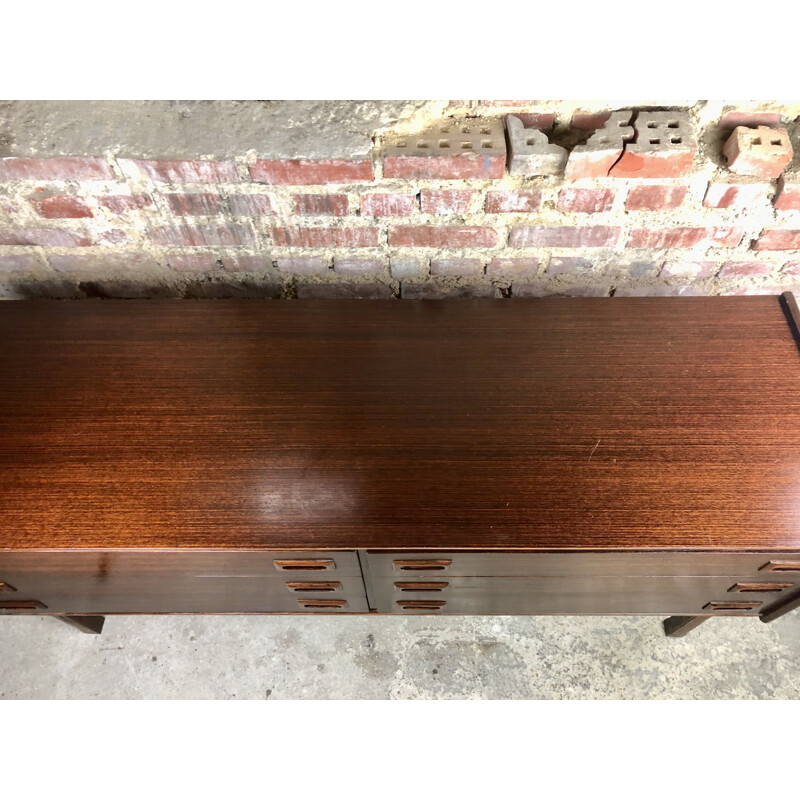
434,565
570,595
174,582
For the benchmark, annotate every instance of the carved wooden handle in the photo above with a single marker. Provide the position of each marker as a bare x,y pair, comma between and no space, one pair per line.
780,566
421,605
421,586
731,606
304,563
314,586
6,587
311,604
419,564
20,605
760,587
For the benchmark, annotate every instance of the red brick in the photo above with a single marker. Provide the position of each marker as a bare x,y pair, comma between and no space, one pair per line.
689,269
303,265
677,238
791,268
655,197
242,262
191,235
122,203
522,201
55,169
93,262
19,262
194,262
44,237
442,202
736,195
564,236
750,119
194,205
61,207
114,236
320,205
761,151
590,121
512,266
456,266
534,119
387,205
250,205
437,236
165,171
586,201
304,172
778,239
357,266
745,269
454,167
653,164
326,237
787,196
560,265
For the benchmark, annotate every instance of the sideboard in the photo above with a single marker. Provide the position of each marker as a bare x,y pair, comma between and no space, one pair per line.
519,456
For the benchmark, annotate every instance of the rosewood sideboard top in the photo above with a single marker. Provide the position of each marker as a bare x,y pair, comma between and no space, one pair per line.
556,423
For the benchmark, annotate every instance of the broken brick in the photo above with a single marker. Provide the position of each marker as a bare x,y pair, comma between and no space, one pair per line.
763,151
778,239
530,151
61,207
604,148
736,195
664,147
787,196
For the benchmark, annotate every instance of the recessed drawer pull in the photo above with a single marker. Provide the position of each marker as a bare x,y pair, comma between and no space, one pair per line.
421,586
314,586
322,603
421,605
760,587
409,565
20,605
6,587
304,563
780,566
731,606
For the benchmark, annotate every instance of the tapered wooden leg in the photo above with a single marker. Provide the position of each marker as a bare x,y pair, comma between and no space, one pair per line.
89,624
680,626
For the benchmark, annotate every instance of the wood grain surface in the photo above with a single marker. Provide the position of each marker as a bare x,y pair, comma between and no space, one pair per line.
561,423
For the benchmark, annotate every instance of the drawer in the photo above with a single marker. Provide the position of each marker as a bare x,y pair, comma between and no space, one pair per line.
180,582
569,595
421,564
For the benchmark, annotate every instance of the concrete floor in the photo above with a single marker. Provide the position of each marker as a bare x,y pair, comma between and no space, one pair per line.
320,657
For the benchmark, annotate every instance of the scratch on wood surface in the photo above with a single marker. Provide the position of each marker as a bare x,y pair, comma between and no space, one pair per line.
593,449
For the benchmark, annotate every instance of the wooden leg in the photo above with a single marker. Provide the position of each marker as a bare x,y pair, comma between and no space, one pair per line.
89,624
680,626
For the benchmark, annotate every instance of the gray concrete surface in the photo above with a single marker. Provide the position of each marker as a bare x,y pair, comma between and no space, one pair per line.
362,657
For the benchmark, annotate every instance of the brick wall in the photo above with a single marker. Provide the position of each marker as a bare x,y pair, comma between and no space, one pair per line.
487,199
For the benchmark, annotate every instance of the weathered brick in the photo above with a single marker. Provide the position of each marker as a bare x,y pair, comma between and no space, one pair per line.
402,267
764,152
689,269
531,152
194,262
61,206
326,237
250,205
100,262
745,269
538,289
306,172
512,266
677,238
664,147
456,266
791,268
220,285
55,169
245,262
357,266
44,237
303,265
344,291
655,197
449,151
387,205
563,236
441,236
778,239
320,205
436,291
169,171
512,202
541,120
586,201
561,265
640,269
123,203
194,205
112,236
442,202
659,291
787,196
736,195
750,119
604,148
19,262
589,121
195,235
